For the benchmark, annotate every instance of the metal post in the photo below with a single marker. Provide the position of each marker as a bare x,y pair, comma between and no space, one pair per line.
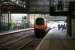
9,20
69,28
0,18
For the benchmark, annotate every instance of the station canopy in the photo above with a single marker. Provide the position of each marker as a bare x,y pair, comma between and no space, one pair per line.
24,6
35,6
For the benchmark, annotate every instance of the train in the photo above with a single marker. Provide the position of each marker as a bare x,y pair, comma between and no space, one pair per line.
40,27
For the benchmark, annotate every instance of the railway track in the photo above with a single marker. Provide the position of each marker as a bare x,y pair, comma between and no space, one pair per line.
16,40
32,45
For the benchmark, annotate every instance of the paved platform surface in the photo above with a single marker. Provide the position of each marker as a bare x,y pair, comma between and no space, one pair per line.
57,40
14,31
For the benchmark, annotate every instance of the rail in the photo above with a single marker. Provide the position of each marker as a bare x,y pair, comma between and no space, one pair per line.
16,39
